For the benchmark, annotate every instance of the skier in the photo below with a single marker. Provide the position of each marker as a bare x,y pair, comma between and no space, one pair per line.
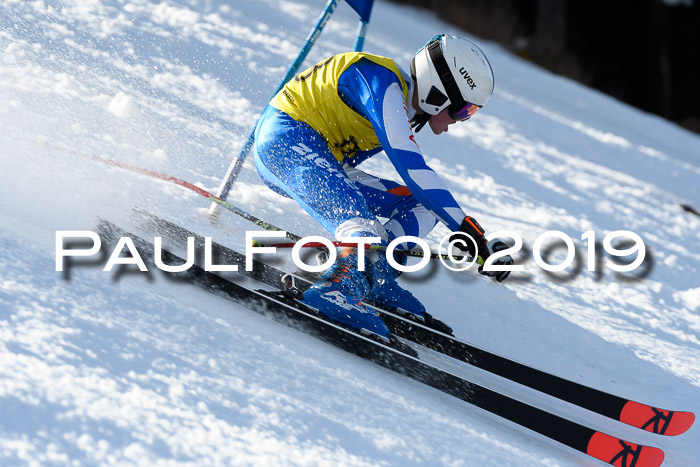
336,114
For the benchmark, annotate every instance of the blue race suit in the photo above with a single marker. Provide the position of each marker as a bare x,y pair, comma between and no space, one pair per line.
295,160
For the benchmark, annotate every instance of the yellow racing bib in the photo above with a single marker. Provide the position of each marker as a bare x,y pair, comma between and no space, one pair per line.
312,97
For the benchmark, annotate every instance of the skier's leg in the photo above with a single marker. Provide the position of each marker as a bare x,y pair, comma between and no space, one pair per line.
390,200
293,159
406,216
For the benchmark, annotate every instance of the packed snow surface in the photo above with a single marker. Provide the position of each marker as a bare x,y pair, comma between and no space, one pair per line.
99,367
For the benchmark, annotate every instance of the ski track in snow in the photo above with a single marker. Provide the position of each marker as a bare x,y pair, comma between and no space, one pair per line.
99,369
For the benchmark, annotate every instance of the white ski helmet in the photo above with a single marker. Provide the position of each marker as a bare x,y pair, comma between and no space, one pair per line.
451,71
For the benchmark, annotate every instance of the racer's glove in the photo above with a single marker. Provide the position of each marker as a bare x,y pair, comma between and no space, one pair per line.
470,227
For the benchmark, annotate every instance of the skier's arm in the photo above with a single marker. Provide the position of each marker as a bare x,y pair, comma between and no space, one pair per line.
378,97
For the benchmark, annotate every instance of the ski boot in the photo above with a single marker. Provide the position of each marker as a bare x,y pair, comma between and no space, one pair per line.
388,295
338,294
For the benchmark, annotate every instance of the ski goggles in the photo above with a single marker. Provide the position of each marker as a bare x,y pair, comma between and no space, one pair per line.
465,113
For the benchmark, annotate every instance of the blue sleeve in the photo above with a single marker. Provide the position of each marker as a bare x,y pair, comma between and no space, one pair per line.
374,92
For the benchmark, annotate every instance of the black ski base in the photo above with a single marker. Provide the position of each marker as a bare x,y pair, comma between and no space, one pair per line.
275,305
432,334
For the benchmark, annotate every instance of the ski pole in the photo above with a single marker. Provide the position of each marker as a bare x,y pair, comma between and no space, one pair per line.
416,254
177,181
239,212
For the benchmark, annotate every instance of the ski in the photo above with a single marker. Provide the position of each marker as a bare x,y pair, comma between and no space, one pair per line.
636,414
601,446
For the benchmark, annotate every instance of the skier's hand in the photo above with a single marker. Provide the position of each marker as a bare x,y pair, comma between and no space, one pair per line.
471,228
492,246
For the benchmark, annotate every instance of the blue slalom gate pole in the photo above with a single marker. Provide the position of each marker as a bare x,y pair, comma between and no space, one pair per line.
360,36
237,163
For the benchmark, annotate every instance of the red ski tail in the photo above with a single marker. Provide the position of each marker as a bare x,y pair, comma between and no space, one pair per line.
662,422
620,453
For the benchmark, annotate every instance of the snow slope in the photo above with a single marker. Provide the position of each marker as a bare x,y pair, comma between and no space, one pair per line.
130,368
